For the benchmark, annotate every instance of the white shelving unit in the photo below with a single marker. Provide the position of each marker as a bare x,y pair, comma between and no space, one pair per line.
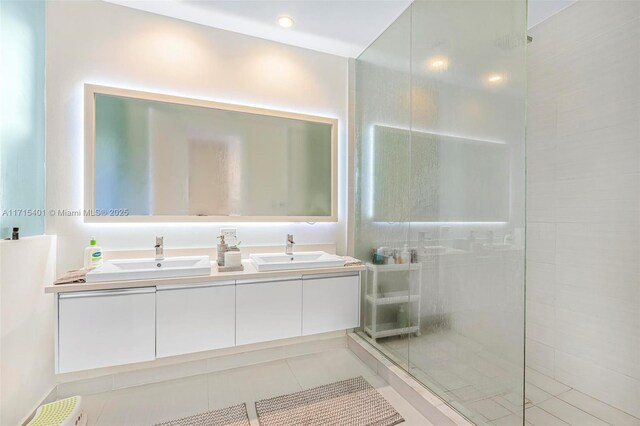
374,298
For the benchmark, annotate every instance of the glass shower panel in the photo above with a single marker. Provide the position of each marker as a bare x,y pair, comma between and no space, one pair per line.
22,46
383,85
467,202
440,181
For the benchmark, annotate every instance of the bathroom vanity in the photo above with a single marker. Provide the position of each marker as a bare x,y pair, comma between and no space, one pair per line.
122,322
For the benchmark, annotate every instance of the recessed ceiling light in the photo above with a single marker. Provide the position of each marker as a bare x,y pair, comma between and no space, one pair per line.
438,63
285,21
495,78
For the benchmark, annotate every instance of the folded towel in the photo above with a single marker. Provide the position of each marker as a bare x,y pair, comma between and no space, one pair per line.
72,277
351,261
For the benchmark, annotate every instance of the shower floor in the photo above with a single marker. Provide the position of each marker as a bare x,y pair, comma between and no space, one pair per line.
489,391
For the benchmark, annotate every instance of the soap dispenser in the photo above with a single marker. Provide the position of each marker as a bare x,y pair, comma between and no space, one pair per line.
222,249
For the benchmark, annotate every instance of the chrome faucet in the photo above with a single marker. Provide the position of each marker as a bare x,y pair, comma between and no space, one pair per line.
290,243
159,248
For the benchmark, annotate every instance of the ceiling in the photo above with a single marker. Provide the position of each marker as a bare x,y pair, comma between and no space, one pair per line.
339,27
539,10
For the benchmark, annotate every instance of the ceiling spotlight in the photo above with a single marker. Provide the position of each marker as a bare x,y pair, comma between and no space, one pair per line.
438,63
285,21
495,79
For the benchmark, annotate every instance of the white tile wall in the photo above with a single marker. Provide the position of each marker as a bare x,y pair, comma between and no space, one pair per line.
583,193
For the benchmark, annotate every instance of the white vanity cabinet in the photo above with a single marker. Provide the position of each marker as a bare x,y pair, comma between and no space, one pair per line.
195,318
330,303
105,328
268,310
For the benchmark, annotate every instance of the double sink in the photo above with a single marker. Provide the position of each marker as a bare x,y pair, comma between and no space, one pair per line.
190,266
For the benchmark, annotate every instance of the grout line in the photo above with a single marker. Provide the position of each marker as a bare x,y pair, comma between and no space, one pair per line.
562,393
286,360
592,414
508,408
102,407
551,414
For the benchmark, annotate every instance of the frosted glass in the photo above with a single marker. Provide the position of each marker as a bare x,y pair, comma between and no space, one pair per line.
159,158
22,48
440,102
383,84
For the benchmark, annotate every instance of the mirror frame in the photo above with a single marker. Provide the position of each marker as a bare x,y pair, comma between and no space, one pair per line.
90,92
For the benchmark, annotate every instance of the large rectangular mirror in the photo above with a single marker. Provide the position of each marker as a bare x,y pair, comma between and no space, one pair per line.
152,157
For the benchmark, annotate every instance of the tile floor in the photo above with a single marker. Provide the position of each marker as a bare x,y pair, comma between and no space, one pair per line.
489,391
149,404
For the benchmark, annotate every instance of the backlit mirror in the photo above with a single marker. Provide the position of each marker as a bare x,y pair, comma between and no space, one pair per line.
451,179
155,157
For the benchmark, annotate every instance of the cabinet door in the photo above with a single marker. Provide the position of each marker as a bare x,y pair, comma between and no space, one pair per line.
330,304
268,310
195,318
104,328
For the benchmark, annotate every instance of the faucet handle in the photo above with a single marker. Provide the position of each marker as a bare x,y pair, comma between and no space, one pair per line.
159,241
290,238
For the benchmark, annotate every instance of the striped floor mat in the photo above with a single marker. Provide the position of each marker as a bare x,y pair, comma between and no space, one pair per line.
230,416
351,402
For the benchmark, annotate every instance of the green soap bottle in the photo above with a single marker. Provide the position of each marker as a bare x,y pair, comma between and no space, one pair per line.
92,255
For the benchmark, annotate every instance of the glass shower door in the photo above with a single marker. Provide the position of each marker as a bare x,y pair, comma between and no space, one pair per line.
467,210
440,103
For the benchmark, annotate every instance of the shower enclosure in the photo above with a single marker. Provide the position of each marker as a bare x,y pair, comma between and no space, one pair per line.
440,205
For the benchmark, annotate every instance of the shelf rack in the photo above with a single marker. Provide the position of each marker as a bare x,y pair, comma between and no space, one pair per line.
375,298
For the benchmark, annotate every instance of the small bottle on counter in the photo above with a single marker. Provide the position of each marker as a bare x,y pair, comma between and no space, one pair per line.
92,255
222,249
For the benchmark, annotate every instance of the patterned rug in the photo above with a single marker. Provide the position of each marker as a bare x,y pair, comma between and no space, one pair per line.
351,402
230,416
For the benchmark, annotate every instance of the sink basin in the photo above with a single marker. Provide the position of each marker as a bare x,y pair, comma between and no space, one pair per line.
301,260
140,269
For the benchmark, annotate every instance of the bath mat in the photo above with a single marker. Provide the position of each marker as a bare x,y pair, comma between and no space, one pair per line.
351,402
230,416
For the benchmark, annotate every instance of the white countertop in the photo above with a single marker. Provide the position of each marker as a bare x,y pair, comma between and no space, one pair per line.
249,273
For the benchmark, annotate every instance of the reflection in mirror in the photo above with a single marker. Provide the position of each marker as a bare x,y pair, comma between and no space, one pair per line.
163,158
452,179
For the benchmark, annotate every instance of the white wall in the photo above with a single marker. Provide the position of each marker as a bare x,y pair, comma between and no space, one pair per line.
26,326
583,293
97,42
